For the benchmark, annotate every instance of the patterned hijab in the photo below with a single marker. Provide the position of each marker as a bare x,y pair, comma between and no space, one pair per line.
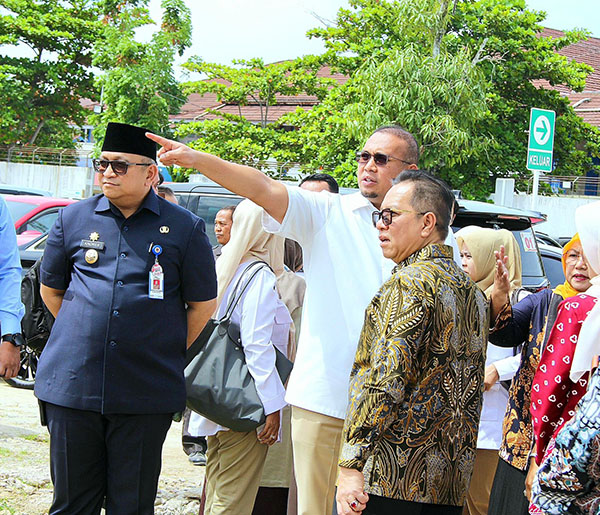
588,343
482,243
249,242
565,290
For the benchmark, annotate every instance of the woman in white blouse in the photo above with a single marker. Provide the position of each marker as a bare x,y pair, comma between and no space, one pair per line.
477,246
235,460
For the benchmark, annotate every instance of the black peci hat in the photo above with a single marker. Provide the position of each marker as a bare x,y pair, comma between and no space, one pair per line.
121,137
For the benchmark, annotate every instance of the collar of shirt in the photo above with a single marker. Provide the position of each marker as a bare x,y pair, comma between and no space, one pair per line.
150,203
357,201
432,251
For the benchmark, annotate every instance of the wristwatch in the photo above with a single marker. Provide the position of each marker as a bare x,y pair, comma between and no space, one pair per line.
15,338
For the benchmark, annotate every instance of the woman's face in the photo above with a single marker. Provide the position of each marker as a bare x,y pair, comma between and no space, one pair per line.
577,271
468,264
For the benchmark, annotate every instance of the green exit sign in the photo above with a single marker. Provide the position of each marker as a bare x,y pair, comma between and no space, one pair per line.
541,140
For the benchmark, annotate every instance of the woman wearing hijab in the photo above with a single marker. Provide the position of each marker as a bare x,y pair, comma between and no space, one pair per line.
524,323
235,460
477,246
554,394
568,480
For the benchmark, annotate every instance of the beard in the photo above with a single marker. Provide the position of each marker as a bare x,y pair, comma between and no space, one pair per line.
367,194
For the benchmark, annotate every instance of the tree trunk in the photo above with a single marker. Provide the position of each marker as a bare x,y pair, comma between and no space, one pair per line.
36,132
440,28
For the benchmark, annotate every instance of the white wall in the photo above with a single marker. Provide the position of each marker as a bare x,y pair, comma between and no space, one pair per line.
61,181
559,210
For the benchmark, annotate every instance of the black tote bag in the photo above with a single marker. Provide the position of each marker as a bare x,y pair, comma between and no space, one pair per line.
218,383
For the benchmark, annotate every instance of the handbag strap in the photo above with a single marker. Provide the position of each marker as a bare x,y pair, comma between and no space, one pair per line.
239,291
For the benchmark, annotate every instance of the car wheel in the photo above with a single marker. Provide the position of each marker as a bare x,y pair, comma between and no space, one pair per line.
26,376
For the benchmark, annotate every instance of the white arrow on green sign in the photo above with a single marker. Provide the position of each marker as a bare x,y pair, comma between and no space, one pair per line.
541,140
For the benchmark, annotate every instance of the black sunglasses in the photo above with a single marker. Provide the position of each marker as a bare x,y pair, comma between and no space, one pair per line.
119,167
380,158
386,215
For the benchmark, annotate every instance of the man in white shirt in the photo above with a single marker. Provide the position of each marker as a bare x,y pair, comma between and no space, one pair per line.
344,268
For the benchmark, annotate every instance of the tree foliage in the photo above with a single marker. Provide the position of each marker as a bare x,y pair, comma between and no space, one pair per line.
40,92
254,81
138,84
503,39
461,75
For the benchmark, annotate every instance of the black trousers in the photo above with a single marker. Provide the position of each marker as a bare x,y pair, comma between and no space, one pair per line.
94,457
384,506
507,496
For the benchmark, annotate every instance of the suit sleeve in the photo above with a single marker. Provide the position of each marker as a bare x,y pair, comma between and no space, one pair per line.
377,394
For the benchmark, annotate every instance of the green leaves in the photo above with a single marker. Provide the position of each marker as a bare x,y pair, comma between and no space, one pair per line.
138,85
41,93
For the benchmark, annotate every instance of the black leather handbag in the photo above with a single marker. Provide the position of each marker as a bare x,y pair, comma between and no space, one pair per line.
218,382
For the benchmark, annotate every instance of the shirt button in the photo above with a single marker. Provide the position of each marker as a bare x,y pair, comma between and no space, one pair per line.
119,283
113,343
116,313
125,229
123,255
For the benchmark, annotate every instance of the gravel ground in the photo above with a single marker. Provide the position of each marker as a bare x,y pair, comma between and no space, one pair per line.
25,486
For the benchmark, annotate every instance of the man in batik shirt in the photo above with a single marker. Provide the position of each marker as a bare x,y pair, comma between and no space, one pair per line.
417,382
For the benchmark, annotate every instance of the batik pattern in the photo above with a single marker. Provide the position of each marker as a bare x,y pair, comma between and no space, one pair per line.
523,323
417,382
568,480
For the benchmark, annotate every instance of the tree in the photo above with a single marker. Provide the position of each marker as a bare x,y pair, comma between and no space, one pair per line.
138,85
251,82
521,59
412,81
503,39
40,94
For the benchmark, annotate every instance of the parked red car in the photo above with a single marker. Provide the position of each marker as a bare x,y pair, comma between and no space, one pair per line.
34,215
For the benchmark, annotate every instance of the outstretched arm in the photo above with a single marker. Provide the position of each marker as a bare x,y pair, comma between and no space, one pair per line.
243,180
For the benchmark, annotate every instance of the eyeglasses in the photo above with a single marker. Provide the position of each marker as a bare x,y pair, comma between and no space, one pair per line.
119,167
572,257
380,158
386,215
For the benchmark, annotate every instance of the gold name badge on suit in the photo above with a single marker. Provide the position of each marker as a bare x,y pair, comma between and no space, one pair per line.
91,256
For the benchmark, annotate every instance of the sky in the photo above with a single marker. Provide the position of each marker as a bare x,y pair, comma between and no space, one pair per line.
276,29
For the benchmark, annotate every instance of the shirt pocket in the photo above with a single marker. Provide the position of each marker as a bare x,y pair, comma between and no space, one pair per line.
281,328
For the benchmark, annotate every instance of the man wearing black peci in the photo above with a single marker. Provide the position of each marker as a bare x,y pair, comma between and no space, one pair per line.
130,278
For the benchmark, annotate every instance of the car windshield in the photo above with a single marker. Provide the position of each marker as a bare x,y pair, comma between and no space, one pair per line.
18,209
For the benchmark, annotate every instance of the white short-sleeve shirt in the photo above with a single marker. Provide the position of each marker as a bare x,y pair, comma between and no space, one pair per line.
344,268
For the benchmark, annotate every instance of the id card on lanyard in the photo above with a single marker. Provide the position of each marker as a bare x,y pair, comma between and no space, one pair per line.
156,279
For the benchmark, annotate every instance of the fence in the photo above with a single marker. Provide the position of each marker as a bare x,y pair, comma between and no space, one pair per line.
63,172
567,185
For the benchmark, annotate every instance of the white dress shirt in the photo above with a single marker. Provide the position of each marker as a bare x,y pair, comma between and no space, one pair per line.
344,267
264,322
495,399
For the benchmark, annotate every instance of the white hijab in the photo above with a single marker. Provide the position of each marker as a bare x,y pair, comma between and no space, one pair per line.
248,242
588,343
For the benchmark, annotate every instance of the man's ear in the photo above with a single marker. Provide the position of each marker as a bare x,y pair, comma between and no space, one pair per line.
429,222
151,174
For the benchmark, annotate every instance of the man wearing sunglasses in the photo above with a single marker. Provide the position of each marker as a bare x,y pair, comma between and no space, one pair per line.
343,267
130,278
417,381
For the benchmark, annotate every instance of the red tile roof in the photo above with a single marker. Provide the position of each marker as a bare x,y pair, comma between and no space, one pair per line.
587,51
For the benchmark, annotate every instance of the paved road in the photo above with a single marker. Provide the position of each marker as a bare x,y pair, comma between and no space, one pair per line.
25,486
